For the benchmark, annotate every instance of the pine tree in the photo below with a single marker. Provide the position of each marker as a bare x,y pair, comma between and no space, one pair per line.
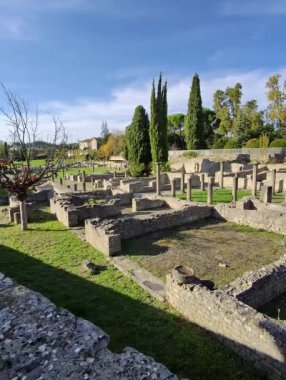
194,125
138,143
159,122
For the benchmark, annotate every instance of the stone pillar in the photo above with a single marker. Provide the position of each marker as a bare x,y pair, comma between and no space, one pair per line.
17,217
235,187
221,175
84,186
61,181
254,180
114,174
189,188
158,179
273,180
173,188
183,181
202,180
210,191
266,194
75,187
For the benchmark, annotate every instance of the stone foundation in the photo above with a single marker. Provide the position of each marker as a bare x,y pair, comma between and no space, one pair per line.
139,204
105,235
259,287
266,217
254,336
71,215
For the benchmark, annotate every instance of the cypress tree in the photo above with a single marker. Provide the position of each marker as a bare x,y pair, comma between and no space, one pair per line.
194,125
164,123
138,143
159,122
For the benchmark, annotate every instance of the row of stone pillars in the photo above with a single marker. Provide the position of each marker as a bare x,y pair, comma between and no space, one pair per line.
182,189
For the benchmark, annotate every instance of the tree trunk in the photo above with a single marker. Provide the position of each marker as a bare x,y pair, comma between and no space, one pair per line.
23,214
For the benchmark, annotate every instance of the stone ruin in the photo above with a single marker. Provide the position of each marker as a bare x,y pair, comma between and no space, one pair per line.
72,209
41,341
106,235
230,313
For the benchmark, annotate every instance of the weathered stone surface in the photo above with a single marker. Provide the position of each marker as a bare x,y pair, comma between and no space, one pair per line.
267,217
258,287
40,341
236,324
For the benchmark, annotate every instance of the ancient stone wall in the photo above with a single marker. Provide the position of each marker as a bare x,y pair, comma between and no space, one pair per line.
254,336
129,227
259,287
72,216
139,204
265,219
138,185
102,237
40,341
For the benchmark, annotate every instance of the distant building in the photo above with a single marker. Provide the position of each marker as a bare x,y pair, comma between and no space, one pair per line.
90,144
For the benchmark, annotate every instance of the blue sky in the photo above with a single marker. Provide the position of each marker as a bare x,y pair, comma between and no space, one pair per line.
92,60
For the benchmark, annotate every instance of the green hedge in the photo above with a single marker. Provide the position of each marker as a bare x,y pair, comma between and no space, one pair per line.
279,143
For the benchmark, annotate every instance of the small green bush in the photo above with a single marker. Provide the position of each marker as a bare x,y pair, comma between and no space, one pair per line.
231,144
252,143
279,143
219,143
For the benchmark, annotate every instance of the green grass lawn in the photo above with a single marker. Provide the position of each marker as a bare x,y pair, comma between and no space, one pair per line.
48,258
219,196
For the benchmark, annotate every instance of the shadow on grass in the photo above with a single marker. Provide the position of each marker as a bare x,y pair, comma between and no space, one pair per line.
183,347
5,225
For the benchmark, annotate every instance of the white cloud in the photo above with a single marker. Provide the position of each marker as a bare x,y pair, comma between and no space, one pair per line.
253,8
16,29
83,117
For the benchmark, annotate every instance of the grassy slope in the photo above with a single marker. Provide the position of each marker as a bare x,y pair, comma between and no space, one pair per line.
48,258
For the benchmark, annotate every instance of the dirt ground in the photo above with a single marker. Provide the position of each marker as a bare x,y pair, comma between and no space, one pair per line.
217,251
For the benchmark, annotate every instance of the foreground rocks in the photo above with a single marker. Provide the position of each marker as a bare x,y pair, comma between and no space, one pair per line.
40,341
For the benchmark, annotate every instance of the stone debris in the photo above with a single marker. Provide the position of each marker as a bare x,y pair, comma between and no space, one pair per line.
41,341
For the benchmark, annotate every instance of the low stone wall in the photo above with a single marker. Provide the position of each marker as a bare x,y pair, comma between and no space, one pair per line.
133,226
138,185
102,237
139,204
259,287
73,216
268,219
90,177
254,336
231,154
41,341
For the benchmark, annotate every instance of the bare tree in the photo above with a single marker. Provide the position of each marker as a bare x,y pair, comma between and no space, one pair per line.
19,179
